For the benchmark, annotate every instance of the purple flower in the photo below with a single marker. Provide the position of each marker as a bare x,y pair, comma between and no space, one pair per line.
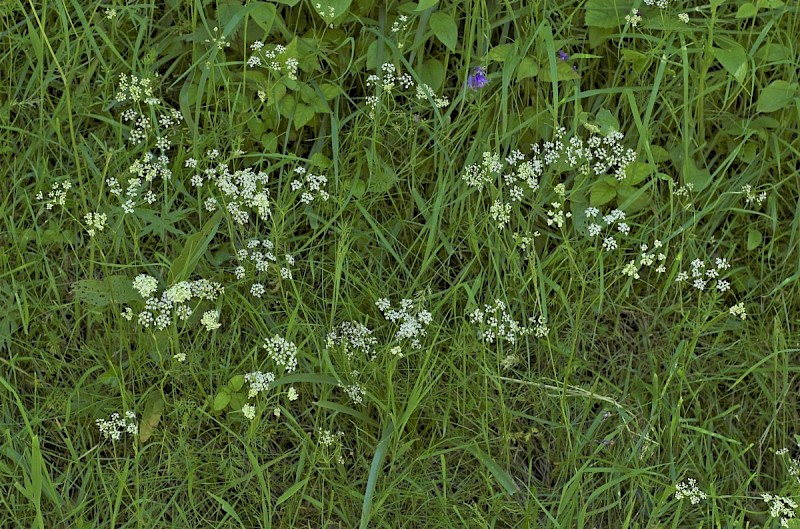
477,80
562,55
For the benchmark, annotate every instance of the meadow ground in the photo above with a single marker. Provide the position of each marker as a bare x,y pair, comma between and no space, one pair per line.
434,264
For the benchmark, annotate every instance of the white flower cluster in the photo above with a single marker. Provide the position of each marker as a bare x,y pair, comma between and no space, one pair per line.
400,24
311,185
633,18
354,391
116,425
260,253
412,320
135,89
353,336
145,285
242,190
259,382
57,196
661,4
793,464
158,311
606,223
282,352
751,196
388,80
688,489
780,507
329,440
274,59
648,259
700,275
496,324
520,175
738,311
210,320
139,181
95,222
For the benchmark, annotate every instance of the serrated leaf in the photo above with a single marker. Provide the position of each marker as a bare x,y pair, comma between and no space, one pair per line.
603,191
754,239
425,4
196,245
101,293
747,10
382,179
221,400
776,95
151,417
445,29
733,58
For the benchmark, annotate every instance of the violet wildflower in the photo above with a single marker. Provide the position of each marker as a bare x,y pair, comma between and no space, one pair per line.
478,80
562,55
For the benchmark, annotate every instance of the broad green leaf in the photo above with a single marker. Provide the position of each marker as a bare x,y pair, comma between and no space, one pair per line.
222,399
330,90
151,417
270,142
196,245
564,72
754,239
637,172
607,122
431,72
236,382
603,191
698,177
771,4
501,53
747,10
320,160
527,67
733,58
607,13
101,293
303,114
425,4
776,95
330,10
445,29
631,199
263,14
